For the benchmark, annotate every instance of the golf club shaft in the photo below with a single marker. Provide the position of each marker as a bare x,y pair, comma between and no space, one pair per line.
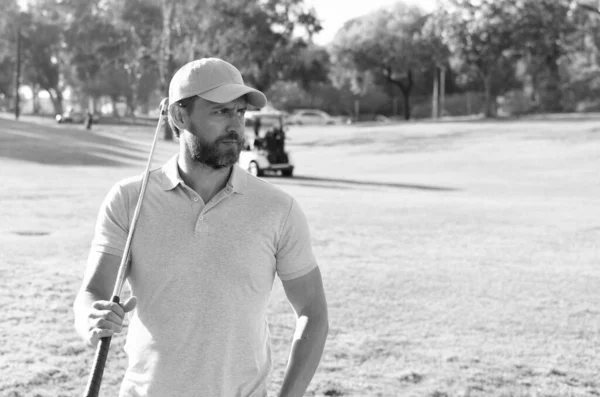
95,379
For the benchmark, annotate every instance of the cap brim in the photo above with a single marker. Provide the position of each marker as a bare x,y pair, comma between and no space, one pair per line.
229,92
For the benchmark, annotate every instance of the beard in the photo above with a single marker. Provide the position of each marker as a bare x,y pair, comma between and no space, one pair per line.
216,154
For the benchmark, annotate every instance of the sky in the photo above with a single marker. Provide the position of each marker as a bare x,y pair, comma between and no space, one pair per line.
333,13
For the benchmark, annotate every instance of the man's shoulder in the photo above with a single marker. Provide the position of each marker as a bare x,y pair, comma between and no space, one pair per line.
132,185
265,193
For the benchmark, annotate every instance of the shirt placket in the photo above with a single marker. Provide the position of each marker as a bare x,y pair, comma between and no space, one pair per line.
202,223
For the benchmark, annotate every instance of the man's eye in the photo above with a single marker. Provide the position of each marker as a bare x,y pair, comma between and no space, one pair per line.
239,112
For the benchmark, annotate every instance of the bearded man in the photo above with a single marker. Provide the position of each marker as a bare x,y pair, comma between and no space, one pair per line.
209,242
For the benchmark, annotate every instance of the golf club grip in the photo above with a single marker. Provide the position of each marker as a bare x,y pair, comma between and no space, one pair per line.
93,387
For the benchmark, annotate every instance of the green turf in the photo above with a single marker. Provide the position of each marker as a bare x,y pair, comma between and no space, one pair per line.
459,259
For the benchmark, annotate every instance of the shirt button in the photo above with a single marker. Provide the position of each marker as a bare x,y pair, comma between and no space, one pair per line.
201,218
195,198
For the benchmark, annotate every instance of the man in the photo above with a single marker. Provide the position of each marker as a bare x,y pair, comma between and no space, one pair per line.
257,124
88,120
209,240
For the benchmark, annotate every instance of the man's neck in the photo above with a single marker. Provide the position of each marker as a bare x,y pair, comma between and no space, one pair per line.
203,179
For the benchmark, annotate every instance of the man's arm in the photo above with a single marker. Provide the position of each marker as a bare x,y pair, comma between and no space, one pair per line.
307,297
95,316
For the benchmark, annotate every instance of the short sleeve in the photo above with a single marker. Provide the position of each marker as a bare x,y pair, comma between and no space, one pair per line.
112,224
295,256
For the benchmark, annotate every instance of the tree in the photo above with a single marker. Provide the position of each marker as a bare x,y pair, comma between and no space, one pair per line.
438,54
41,45
388,44
141,23
543,34
309,65
581,65
165,60
129,49
8,32
258,37
480,37
589,6
92,44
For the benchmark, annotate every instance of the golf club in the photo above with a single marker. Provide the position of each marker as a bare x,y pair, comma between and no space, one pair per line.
93,386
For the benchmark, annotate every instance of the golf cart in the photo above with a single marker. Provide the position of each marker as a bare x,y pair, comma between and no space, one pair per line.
265,152
72,116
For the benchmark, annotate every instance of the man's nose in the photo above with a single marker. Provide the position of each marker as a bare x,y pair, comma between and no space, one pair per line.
236,124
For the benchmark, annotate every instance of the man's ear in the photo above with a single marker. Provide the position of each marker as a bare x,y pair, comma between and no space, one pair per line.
178,116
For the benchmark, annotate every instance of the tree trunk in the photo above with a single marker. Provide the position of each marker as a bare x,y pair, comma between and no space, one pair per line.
442,97
406,95
193,45
551,95
56,100
133,97
35,91
145,107
166,45
489,112
435,100
115,111
405,89
130,101
59,100
166,58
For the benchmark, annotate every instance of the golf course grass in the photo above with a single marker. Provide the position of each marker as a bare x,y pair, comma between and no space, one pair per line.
459,258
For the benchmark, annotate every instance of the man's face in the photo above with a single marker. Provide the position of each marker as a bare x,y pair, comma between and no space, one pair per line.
216,132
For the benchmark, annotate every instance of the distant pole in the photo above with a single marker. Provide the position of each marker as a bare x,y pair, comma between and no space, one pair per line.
18,72
435,101
442,90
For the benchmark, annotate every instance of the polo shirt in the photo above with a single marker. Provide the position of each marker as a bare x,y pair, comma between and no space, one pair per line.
203,274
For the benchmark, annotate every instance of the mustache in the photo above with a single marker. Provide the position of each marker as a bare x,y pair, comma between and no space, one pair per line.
231,137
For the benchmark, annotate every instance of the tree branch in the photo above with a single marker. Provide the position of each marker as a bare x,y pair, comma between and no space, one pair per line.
588,7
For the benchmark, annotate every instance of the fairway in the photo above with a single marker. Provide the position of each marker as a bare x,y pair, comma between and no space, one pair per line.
459,258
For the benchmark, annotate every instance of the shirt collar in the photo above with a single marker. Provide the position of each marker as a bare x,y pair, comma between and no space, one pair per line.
170,172
237,180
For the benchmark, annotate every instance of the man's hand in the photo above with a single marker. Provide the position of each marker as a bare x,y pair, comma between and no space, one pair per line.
105,318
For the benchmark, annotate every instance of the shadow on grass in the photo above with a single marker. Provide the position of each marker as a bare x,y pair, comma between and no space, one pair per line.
312,181
526,118
58,145
391,143
337,142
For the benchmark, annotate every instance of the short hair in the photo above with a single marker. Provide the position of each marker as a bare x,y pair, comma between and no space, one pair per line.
183,103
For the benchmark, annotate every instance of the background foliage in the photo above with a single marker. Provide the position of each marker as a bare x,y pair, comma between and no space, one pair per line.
519,56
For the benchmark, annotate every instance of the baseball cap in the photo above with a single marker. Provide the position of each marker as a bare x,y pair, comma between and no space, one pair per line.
212,79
